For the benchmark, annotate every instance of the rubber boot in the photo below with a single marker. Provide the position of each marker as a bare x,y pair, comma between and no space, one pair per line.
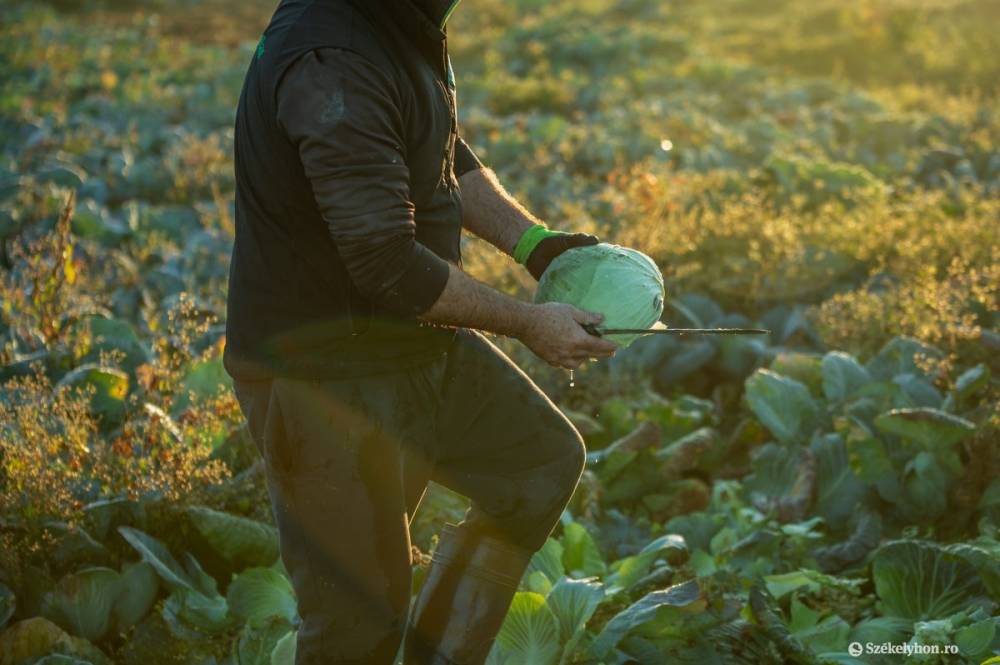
464,600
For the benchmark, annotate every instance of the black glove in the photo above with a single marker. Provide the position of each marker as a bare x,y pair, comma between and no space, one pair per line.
551,247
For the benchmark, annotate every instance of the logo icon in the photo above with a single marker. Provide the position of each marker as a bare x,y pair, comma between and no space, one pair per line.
854,648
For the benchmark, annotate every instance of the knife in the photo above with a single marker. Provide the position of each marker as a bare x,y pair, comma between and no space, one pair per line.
598,332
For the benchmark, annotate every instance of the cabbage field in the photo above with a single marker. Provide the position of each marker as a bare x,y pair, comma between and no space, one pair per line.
829,170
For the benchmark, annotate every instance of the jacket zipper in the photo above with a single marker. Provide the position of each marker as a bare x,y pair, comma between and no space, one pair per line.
453,116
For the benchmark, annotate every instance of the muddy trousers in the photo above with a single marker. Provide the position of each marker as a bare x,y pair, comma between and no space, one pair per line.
347,462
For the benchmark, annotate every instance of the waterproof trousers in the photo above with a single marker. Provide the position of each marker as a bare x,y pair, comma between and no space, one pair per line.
347,462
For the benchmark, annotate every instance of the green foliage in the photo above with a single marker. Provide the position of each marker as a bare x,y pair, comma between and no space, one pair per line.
269,644
548,561
8,603
60,659
202,381
783,405
260,595
100,335
239,540
573,603
921,581
159,557
108,387
138,585
82,603
838,490
857,545
925,427
657,613
901,355
632,569
34,638
580,553
768,615
530,633
284,650
193,614
843,376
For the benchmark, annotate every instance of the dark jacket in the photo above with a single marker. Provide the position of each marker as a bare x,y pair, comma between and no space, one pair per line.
348,209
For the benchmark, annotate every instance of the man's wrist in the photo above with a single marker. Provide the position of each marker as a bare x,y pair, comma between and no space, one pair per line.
529,240
522,320
468,303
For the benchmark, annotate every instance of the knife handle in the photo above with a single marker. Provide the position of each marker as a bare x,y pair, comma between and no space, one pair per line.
592,329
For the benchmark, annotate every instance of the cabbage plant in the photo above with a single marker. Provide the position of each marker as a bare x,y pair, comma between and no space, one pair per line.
623,284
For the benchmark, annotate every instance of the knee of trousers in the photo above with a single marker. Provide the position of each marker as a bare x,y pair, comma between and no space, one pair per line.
551,487
573,460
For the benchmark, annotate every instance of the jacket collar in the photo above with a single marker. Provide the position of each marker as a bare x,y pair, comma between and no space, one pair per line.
409,19
438,11
407,14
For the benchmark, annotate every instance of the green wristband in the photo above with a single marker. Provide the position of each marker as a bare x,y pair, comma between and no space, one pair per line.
529,241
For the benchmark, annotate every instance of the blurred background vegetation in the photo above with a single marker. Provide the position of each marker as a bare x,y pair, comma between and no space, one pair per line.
829,169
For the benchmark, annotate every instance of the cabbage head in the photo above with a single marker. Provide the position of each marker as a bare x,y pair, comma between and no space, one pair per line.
621,283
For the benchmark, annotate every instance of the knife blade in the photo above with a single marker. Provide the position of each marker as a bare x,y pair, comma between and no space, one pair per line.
599,332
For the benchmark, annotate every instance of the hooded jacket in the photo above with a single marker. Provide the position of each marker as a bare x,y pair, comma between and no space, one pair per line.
348,209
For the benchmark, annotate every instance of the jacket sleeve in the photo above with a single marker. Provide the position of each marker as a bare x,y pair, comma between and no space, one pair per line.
465,159
343,114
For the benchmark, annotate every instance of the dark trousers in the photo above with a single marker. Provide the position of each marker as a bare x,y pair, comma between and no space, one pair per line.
348,461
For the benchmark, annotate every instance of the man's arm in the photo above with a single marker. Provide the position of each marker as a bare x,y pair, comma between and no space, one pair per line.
498,218
340,111
490,212
553,331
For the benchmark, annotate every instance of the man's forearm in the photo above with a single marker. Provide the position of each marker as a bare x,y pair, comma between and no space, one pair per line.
468,303
491,213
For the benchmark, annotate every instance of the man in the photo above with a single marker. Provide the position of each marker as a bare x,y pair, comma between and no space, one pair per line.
351,336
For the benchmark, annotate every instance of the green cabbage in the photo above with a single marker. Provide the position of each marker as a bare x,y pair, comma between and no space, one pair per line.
622,284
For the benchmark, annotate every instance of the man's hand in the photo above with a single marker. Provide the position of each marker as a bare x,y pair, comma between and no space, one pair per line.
551,247
554,332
